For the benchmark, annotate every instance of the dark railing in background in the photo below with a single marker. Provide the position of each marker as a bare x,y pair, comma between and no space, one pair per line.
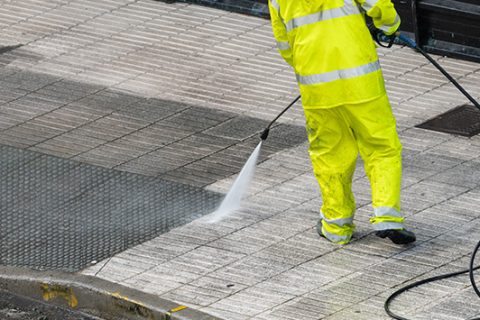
445,27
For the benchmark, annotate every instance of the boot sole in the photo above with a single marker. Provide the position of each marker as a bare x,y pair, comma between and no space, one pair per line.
396,237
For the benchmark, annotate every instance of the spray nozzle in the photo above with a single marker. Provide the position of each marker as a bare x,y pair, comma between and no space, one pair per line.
264,134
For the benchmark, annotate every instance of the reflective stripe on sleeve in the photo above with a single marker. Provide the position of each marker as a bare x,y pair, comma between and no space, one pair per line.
275,5
387,27
387,212
339,74
347,9
283,45
369,4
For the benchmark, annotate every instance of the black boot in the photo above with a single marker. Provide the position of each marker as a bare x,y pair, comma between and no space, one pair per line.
397,236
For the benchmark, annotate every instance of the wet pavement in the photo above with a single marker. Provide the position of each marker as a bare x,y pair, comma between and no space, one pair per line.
181,92
60,214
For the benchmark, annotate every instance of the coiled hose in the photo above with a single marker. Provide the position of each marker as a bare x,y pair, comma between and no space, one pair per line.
470,270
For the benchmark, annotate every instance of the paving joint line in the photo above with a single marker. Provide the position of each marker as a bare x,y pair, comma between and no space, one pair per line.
51,111
40,115
123,136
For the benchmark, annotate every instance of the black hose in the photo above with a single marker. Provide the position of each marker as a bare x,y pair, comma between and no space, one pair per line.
412,44
472,279
470,270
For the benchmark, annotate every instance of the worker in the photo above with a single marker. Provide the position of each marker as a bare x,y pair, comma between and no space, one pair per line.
346,107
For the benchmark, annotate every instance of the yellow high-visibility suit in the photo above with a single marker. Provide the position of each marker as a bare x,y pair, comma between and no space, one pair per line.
345,104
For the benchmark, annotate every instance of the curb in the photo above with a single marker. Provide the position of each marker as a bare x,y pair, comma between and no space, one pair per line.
93,296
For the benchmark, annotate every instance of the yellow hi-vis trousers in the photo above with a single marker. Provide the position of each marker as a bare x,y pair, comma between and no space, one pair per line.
336,135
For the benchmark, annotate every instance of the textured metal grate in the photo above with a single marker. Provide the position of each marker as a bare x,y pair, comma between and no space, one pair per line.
61,214
463,120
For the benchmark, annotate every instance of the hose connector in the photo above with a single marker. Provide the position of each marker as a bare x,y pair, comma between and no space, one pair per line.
409,42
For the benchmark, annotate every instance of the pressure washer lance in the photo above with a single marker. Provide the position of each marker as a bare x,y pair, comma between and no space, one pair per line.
265,132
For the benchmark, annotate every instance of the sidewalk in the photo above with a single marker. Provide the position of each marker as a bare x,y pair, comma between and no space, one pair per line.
181,92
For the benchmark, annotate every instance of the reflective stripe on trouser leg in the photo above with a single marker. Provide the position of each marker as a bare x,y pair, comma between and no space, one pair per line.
333,153
375,129
338,230
387,218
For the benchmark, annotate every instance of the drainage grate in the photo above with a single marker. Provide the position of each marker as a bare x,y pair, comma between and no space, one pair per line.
61,214
463,120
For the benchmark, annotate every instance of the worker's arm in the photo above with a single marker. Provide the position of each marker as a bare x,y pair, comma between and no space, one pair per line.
280,32
383,14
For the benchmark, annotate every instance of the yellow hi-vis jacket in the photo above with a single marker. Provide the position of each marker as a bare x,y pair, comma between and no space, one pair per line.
330,48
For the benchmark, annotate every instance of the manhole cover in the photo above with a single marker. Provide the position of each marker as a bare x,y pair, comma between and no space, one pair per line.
463,120
62,214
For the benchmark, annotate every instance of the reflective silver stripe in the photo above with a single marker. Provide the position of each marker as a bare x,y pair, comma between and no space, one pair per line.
369,4
275,5
283,45
338,222
387,212
387,27
347,9
339,74
387,225
336,238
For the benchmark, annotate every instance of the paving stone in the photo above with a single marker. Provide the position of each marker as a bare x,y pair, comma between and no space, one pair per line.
192,295
145,283
250,302
299,309
225,314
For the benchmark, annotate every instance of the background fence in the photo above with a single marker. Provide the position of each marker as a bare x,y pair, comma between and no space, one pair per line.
446,27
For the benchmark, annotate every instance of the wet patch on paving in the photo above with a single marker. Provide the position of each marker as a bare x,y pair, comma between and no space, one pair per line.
62,214
88,172
177,141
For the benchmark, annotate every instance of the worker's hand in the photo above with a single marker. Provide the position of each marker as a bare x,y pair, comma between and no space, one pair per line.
387,37
379,36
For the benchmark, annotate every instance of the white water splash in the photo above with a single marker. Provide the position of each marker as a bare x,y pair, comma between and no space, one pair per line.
232,200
